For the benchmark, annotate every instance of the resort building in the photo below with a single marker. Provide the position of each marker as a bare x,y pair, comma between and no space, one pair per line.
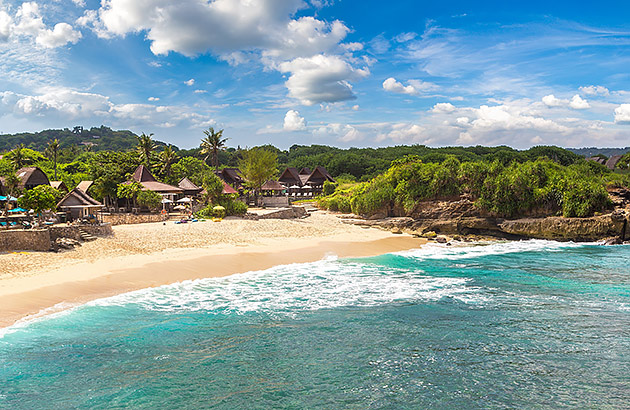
232,176
305,182
60,186
30,177
77,204
85,186
188,187
143,176
612,161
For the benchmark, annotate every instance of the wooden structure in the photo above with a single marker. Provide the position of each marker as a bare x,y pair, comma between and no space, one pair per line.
30,177
79,205
60,186
301,183
85,186
232,176
144,177
612,161
188,187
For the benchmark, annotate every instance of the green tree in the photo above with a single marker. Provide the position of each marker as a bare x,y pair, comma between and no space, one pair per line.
190,167
167,158
40,198
17,157
212,144
146,146
11,182
214,188
257,167
149,199
53,152
129,191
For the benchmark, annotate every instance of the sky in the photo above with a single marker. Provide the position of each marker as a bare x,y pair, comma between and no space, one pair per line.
335,72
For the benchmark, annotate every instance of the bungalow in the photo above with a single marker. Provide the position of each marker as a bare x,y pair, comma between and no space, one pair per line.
144,177
79,204
291,177
599,160
313,180
30,177
85,186
188,187
232,176
60,186
612,161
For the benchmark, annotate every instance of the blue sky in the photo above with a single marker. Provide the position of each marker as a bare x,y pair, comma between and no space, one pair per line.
344,73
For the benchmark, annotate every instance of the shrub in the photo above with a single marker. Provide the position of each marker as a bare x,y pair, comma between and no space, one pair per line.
329,188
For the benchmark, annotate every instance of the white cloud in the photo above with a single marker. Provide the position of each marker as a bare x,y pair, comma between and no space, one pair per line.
293,121
62,34
415,87
200,91
79,3
443,108
321,78
6,25
595,90
153,99
577,103
190,82
342,132
551,101
622,114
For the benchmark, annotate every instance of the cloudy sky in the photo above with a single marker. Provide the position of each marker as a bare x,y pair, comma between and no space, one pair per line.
337,72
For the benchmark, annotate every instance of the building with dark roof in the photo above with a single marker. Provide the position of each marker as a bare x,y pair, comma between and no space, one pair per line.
30,177
60,186
144,177
79,204
189,187
612,161
232,176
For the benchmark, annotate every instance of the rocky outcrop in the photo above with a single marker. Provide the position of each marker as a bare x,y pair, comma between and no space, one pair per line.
444,219
558,228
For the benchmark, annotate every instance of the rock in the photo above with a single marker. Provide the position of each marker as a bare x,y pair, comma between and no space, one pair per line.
429,235
613,241
441,239
559,228
396,231
66,243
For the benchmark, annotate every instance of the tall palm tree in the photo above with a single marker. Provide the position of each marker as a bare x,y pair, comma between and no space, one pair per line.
146,146
212,144
168,157
53,151
17,157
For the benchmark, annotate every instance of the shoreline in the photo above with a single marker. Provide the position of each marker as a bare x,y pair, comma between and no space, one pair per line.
25,297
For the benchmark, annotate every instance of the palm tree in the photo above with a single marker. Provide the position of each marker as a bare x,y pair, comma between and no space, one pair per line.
168,157
53,151
17,157
212,144
146,145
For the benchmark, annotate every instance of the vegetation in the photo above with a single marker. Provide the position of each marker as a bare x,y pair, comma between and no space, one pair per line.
40,198
258,165
212,144
539,187
149,199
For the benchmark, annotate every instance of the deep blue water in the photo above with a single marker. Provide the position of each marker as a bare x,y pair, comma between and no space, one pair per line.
520,325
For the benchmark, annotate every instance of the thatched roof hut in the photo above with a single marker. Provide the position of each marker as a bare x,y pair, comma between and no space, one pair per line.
143,176
232,176
59,185
612,161
189,187
272,186
85,186
79,204
30,177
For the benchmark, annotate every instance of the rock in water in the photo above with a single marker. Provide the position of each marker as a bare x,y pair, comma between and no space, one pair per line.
613,241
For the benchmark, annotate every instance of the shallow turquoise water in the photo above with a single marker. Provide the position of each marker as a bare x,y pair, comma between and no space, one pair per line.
531,325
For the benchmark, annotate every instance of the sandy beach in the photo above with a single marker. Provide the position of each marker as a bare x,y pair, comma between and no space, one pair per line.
148,255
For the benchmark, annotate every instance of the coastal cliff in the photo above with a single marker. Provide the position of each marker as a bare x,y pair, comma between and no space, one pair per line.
463,218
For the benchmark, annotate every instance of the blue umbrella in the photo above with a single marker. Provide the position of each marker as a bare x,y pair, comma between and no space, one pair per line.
18,210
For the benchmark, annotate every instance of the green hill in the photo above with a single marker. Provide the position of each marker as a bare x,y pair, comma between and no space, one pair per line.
98,139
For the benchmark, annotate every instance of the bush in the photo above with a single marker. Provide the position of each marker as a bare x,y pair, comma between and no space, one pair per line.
329,188
149,199
232,207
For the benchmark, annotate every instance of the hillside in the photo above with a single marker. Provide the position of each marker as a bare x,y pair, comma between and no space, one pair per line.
592,151
97,139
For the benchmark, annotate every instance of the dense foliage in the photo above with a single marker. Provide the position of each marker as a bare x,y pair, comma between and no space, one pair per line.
540,187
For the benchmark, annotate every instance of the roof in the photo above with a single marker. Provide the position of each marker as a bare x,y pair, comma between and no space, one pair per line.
291,173
612,161
321,172
85,185
305,171
142,174
228,189
27,173
232,173
160,187
58,185
272,186
187,185
77,197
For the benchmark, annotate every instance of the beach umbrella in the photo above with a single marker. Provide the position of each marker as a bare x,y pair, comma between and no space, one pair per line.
306,188
179,207
294,187
18,210
184,200
166,201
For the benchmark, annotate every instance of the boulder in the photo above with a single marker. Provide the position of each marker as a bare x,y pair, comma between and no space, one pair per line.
559,228
441,239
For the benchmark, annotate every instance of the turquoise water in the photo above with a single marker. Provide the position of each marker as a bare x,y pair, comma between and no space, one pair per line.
535,325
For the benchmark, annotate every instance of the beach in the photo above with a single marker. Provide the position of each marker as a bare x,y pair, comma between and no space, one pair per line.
149,255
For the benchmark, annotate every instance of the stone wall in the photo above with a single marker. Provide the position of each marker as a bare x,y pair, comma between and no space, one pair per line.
276,201
286,213
72,231
127,218
25,240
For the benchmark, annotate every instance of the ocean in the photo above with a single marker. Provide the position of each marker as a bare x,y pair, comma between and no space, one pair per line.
505,325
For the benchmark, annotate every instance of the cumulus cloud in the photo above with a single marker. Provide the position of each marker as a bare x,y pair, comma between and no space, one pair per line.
577,103
293,121
622,114
342,132
415,87
595,90
443,108
320,79
236,31
68,104
551,101
28,22
190,82
153,99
